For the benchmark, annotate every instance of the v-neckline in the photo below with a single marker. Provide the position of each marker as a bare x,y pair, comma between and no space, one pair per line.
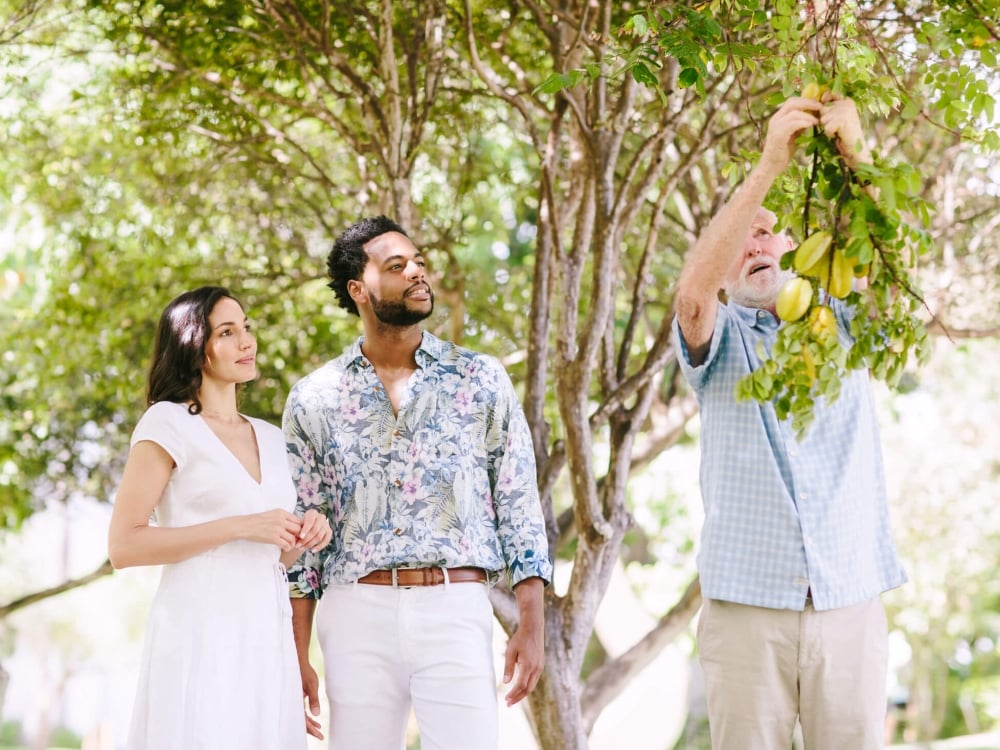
221,442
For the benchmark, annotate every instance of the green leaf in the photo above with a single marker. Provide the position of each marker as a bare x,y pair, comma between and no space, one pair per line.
558,82
644,75
760,391
688,77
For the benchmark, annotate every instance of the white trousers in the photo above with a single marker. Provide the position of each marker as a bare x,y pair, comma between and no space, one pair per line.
766,667
386,649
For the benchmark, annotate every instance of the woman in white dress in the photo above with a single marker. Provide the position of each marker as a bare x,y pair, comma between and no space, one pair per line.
219,667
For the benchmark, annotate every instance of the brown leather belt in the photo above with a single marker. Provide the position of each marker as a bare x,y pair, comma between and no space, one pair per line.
423,576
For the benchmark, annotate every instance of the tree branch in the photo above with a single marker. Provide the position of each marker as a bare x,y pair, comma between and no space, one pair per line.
103,570
489,78
607,681
937,328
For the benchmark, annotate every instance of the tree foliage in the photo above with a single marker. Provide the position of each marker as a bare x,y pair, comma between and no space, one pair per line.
878,219
555,158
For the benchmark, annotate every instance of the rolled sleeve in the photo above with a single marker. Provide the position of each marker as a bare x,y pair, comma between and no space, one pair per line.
305,575
698,375
514,483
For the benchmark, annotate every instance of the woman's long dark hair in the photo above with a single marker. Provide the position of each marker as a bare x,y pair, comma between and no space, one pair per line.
179,350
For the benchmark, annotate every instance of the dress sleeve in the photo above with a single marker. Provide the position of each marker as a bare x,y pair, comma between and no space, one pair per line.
162,424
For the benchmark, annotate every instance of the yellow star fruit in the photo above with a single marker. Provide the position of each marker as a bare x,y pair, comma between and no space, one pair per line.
793,299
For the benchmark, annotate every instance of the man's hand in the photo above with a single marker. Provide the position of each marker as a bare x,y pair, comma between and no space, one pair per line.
315,533
310,693
302,618
841,122
525,655
793,116
525,659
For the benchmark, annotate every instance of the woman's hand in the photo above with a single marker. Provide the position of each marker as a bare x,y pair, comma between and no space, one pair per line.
276,526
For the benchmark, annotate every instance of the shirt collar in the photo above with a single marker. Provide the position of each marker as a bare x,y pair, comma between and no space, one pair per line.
430,350
754,317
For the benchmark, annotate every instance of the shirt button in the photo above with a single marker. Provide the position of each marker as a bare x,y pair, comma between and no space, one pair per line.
396,433
398,483
397,532
803,496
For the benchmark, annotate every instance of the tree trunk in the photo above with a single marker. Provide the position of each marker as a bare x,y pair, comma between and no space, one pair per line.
555,701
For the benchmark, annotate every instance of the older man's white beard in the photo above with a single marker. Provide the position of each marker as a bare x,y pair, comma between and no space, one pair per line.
750,295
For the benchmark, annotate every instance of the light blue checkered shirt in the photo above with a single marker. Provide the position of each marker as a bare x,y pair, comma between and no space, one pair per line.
784,516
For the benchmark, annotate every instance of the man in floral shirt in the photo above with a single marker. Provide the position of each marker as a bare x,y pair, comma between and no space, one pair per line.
419,454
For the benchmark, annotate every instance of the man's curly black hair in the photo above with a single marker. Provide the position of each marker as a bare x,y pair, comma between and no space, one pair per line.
348,258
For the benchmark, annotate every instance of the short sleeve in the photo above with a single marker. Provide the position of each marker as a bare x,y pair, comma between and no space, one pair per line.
163,424
698,375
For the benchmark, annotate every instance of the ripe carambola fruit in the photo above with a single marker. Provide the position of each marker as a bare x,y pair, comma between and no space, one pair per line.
813,249
820,270
813,90
841,276
822,323
793,299
810,362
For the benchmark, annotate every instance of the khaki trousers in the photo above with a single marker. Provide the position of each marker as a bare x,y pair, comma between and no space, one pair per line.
766,667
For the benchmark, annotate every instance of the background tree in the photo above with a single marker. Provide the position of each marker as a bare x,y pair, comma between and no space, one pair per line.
948,528
158,145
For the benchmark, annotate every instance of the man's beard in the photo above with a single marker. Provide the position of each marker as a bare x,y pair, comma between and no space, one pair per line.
397,313
747,295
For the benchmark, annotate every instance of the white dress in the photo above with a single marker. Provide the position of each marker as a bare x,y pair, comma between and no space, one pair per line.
219,669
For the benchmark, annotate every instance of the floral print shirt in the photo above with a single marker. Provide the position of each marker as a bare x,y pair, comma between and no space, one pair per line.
449,480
